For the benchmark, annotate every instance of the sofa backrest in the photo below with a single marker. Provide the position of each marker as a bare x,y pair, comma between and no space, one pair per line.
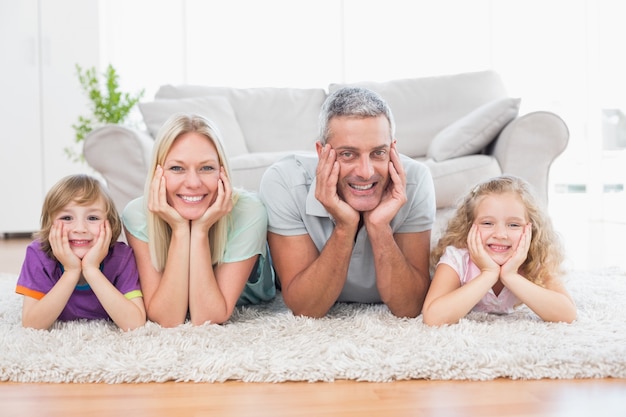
424,106
271,119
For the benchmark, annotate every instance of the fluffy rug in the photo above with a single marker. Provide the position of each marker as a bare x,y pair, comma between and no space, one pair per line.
357,342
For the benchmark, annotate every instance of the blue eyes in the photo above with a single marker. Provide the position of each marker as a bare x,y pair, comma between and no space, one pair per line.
89,218
379,154
510,225
206,168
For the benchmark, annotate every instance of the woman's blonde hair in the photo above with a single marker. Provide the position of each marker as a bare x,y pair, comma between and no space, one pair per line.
545,255
159,232
81,189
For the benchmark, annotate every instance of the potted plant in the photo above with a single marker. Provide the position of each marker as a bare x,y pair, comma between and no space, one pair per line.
107,103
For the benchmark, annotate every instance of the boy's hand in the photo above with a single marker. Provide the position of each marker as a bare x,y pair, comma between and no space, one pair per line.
93,258
60,244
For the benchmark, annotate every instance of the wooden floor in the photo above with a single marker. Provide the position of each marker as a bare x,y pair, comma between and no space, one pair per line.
503,397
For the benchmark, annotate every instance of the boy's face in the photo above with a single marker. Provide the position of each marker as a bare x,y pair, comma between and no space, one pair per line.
82,223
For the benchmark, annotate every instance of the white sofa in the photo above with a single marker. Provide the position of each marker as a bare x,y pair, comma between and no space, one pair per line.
464,127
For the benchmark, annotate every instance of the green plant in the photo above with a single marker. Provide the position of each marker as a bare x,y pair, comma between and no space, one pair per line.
108,105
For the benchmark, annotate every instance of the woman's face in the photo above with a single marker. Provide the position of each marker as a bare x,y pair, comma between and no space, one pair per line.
191,169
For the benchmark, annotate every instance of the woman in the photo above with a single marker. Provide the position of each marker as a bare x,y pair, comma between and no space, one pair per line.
200,246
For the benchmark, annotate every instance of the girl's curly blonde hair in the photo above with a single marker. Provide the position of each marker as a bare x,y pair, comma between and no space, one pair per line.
545,255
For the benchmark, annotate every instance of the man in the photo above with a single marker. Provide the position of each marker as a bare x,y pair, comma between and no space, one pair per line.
353,224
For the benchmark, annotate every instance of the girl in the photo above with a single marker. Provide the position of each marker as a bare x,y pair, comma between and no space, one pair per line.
200,245
499,250
77,269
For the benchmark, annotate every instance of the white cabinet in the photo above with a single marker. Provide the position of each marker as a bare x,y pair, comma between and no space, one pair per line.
40,43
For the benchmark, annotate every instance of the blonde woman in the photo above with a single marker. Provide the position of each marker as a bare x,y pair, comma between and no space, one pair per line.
499,250
200,245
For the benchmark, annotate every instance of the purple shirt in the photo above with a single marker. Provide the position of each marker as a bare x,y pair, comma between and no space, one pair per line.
40,273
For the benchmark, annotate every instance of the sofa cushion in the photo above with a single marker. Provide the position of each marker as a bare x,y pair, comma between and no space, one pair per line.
471,133
424,106
272,119
454,177
216,109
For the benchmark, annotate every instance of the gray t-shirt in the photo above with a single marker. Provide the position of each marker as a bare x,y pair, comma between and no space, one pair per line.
288,192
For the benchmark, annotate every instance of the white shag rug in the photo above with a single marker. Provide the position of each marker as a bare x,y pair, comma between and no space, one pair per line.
356,342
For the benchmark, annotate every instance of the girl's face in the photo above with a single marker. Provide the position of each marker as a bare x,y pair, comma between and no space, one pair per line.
501,219
82,224
191,169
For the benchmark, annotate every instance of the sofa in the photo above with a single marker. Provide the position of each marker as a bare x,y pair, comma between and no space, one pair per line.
464,127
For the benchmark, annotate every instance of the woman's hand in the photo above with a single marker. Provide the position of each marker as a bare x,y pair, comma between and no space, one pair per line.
60,244
157,201
222,205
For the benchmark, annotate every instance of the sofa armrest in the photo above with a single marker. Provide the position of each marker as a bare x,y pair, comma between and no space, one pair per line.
528,145
121,156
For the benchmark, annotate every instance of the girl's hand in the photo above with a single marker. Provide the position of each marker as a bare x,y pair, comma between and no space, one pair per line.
100,249
222,205
478,253
521,253
157,201
60,244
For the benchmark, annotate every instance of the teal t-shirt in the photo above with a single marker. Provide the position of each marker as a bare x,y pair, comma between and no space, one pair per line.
246,237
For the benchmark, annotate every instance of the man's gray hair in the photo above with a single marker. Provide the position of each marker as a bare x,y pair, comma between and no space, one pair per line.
355,102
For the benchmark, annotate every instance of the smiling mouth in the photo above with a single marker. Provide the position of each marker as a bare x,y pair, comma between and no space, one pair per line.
499,248
362,187
191,199
79,242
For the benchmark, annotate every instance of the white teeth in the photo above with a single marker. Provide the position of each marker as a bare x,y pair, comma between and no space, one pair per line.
361,187
191,199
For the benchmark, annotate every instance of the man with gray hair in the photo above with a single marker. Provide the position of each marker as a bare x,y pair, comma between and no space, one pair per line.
352,224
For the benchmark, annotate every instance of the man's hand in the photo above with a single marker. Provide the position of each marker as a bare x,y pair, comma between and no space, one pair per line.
394,196
327,176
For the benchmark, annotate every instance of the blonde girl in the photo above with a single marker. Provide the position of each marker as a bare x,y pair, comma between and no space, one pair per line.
499,250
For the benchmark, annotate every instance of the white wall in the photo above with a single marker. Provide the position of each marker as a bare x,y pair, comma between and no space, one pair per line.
558,55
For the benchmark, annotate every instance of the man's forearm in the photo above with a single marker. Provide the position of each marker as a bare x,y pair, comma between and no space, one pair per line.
401,285
316,289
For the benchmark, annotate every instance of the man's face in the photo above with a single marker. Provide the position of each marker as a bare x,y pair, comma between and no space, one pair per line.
362,146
